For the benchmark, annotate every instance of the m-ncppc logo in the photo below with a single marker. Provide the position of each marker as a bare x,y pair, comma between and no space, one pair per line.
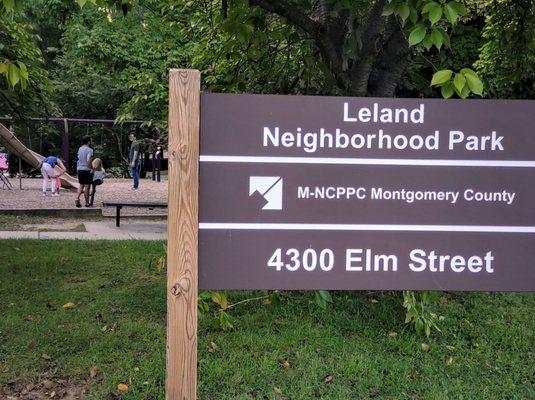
267,190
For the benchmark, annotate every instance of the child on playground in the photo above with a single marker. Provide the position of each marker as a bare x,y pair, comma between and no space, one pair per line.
98,177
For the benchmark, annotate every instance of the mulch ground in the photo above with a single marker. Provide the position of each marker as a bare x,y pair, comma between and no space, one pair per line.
30,197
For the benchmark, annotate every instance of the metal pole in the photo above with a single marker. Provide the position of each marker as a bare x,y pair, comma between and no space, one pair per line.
20,173
65,143
153,163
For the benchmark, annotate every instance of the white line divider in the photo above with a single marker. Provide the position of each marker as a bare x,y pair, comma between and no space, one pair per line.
365,227
368,161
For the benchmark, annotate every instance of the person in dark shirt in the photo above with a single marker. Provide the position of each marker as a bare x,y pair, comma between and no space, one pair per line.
134,159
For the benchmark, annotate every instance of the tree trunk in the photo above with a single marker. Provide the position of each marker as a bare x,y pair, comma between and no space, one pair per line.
381,49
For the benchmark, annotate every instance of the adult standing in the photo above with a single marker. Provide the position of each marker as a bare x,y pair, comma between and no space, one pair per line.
47,171
83,168
134,159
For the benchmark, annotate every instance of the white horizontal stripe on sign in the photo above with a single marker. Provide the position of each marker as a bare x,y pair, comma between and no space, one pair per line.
366,227
367,161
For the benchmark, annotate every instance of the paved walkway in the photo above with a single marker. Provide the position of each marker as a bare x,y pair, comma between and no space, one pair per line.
101,230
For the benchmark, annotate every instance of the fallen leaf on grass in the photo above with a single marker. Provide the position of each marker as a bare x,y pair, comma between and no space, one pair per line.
392,334
48,384
68,306
160,264
450,347
449,360
277,390
374,301
328,379
213,347
122,387
45,356
425,347
284,363
93,371
266,301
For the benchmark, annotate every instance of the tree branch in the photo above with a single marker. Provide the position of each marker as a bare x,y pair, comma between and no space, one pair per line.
290,12
391,62
361,70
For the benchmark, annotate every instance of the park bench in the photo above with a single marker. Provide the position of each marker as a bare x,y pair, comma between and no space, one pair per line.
120,204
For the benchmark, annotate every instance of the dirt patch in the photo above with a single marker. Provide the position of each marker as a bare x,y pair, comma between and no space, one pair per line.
58,389
40,224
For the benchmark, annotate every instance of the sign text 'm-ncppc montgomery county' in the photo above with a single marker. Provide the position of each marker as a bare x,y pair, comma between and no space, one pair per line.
409,196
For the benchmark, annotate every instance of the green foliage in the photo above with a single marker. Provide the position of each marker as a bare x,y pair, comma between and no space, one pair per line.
507,56
441,77
322,298
114,65
417,35
26,86
427,21
253,51
221,319
10,6
217,305
417,311
463,83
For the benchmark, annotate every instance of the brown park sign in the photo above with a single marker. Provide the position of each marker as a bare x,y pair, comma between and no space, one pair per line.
297,192
300,192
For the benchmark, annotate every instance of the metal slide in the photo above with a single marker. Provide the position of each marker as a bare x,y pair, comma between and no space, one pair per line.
15,146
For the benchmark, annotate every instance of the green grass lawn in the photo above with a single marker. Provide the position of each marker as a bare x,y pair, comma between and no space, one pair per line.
117,324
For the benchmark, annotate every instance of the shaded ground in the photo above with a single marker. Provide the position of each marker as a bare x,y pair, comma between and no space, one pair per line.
112,190
41,224
36,227
54,388
113,333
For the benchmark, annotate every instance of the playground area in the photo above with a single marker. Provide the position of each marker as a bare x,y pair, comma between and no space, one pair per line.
28,214
113,190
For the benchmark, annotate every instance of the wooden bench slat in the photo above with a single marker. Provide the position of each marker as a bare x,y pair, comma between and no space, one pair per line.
124,204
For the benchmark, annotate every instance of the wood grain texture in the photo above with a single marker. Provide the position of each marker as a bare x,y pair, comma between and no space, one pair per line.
182,234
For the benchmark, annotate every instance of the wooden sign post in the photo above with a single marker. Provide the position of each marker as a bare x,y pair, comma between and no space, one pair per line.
182,234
